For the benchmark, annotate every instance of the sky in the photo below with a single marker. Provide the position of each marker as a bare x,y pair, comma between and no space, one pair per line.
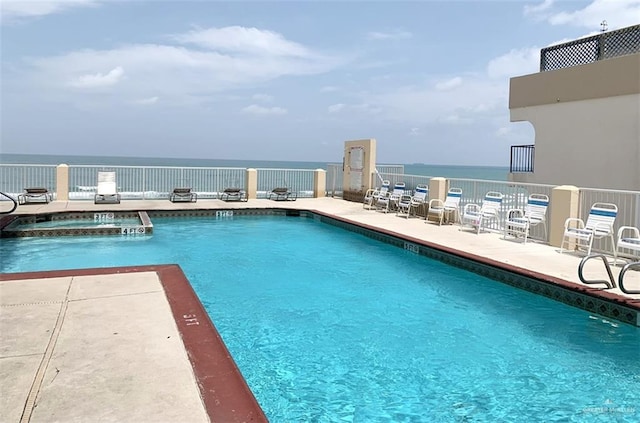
287,80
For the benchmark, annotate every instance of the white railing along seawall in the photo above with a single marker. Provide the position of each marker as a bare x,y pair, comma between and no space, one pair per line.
156,182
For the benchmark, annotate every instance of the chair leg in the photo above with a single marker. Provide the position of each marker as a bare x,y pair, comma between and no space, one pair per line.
590,244
613,248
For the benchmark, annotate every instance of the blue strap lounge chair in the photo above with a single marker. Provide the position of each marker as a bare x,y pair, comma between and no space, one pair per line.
372,195
414,202
520,221
440,210
599,224
479,216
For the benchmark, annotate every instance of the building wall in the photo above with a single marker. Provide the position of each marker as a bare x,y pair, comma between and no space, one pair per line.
587,123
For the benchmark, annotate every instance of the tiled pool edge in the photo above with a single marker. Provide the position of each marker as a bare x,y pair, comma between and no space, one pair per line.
10,228
223,390
594,300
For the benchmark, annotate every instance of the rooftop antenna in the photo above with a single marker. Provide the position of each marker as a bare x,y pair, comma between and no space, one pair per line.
603,24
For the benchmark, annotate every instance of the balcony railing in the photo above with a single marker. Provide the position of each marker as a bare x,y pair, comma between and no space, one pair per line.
591,49
522,158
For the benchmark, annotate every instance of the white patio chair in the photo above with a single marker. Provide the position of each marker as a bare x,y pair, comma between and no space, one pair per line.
413,202
441,209
520,221
479,216
107,190
372,195
629,239
389,201
600,221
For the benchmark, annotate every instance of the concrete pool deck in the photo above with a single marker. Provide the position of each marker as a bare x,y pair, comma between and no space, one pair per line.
126,344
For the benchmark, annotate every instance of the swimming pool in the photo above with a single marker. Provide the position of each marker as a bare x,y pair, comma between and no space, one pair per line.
328,325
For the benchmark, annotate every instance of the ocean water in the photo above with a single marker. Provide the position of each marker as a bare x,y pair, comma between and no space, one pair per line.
494,173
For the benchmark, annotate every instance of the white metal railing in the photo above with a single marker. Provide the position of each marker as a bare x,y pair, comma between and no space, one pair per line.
334,179
153,182
382,171
390,168
411,181
14,178
515,197
297,180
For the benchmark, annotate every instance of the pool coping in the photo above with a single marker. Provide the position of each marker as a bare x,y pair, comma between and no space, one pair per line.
223,390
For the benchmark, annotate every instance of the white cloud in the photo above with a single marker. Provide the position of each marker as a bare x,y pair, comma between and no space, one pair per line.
174,73
361,108
98,80
392,35
20,9
449,84
260,110
246,40
479,98
617,13
414,132
149,100
539,8
515,63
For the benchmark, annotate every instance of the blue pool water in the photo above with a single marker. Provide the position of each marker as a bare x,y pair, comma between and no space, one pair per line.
327,325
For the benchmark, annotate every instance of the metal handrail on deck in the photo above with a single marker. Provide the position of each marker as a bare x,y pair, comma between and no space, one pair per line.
15,203
611,283
621,278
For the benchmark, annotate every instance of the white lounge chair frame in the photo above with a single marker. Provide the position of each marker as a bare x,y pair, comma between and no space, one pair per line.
413,202
372,195
478,216
628,238
107,190
389,200
404,205
441,209
599,224
520,221
35,195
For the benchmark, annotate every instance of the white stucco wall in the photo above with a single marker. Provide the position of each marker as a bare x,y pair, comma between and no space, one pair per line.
589,143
